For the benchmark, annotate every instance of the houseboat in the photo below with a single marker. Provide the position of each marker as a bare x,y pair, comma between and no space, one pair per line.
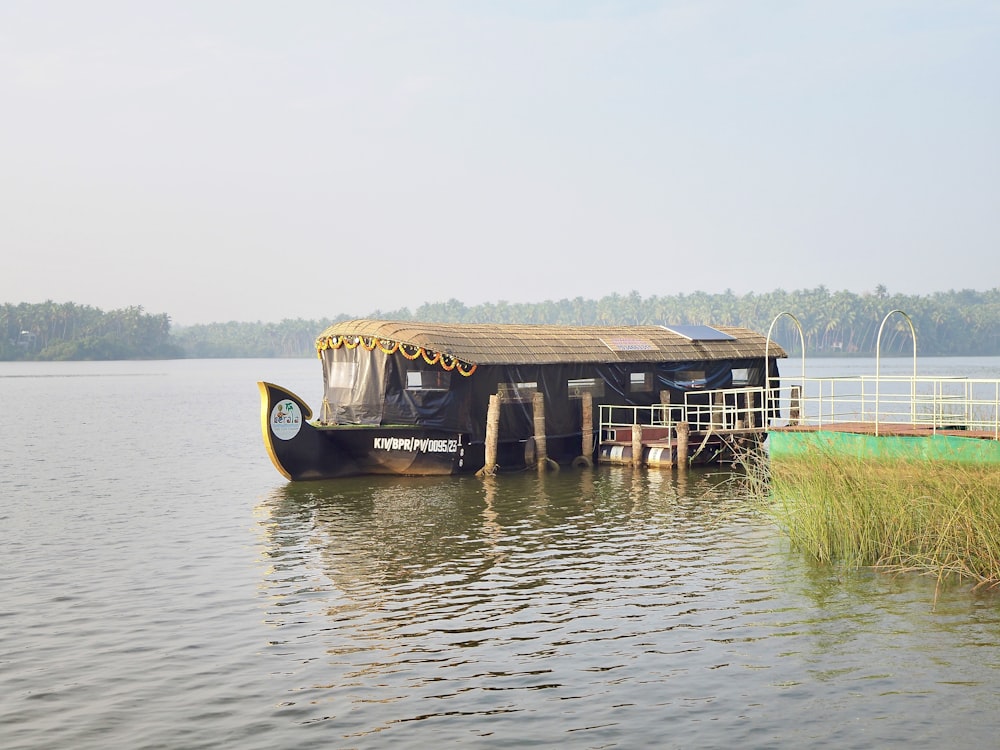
409,398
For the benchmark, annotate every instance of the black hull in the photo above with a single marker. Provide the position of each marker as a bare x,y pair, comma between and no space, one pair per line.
301,450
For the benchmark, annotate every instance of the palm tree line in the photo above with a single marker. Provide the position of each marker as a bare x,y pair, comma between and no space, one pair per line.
68,331
965,322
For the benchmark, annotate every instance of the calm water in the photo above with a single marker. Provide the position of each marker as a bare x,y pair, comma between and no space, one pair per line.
164,587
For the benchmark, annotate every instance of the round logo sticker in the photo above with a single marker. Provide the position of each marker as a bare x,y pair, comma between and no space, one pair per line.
286,419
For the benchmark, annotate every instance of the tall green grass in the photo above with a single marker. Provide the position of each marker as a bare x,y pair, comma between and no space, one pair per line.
940,518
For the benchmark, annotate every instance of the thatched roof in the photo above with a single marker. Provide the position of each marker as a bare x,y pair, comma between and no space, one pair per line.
495,344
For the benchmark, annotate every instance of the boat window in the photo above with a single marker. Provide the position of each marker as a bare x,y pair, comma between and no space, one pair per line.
516,392
640,382
341,374
691,379
741,376
578,386
426,380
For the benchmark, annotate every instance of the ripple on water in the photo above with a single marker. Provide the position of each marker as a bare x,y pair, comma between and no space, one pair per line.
582,618
177,595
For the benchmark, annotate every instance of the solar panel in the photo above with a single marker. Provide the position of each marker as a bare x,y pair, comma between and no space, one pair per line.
699,333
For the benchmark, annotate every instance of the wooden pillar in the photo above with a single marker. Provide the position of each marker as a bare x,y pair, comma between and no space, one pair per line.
492,436
636,445
795,405
586,457
541,448
683,430
538,412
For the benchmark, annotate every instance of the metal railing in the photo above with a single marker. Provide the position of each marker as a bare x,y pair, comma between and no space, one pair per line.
932,403
722,410
726,409
929,402
614,418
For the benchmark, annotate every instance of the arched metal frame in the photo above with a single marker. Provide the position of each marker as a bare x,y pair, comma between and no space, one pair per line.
767,358
878,362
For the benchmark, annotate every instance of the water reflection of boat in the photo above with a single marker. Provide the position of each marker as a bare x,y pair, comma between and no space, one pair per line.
405,398
371,533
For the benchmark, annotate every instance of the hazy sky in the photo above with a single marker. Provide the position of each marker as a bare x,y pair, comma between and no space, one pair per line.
266,160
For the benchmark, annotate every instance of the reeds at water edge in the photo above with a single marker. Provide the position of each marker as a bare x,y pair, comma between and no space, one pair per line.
933,517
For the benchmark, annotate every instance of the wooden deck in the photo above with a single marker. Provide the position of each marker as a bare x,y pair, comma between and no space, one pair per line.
888,430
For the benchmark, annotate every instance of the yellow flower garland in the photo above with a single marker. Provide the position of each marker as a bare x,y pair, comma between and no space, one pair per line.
403,350
388,347
330,342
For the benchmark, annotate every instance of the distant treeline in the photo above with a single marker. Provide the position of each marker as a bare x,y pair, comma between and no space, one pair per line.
966,322
63,331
